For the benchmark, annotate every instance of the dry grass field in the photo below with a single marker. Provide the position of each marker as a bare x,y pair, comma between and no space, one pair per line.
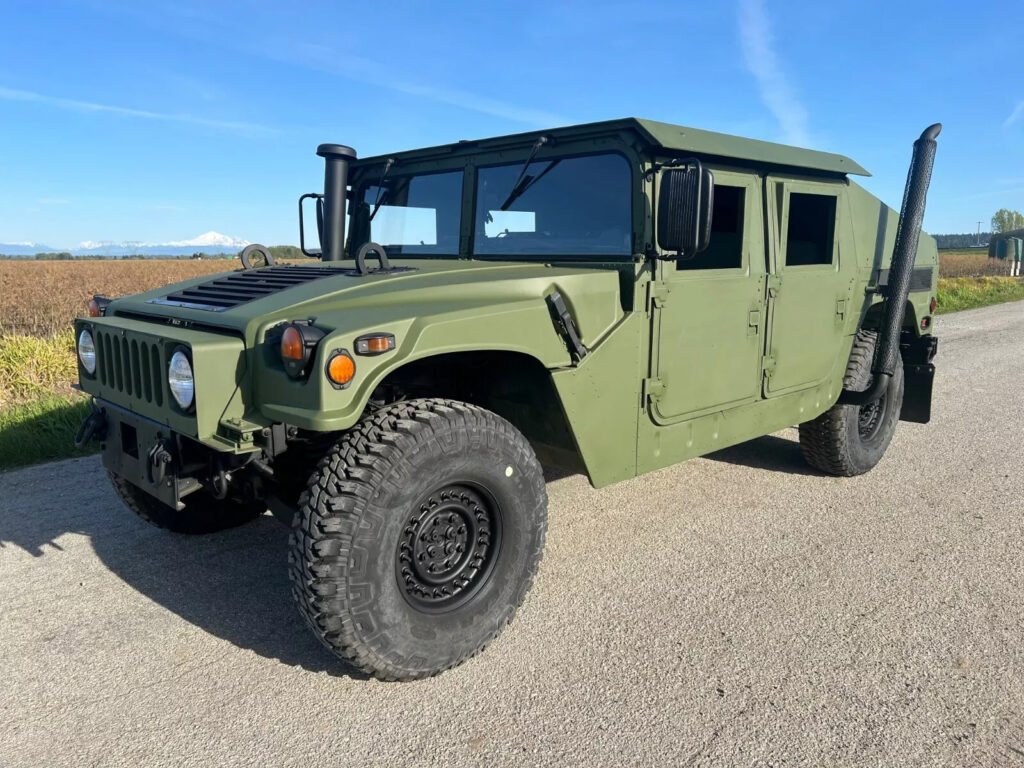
42,297
971,264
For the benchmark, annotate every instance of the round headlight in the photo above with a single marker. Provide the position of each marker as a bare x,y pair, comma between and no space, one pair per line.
87,351
180,380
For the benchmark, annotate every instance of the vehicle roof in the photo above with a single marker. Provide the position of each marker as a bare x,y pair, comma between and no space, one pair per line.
672,138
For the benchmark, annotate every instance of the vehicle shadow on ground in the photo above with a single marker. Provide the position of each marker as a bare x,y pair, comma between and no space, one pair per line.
233,584
777,454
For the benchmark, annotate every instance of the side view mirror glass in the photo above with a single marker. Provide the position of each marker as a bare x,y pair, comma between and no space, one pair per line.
685,205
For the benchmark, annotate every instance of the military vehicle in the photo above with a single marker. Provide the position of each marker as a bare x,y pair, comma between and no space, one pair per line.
608,298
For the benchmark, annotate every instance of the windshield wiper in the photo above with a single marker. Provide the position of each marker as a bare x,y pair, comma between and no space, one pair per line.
381,196
524,182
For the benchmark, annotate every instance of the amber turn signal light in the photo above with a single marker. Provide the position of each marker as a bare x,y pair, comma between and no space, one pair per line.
292,347
298,346
341,369
98,306
375,343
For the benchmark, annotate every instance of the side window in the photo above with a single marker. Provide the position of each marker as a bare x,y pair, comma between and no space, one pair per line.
812,226
725,248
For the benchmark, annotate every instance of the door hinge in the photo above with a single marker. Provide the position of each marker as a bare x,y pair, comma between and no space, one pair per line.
653,389
657,295
774,285
769,364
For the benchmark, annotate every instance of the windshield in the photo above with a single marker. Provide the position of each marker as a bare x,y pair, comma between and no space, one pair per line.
574,206
417,214
565,206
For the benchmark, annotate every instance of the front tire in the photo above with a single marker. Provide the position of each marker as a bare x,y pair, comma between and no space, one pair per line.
418,537
849,440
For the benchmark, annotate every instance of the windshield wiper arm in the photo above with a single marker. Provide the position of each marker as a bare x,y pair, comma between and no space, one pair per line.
527,182
524,182
381,197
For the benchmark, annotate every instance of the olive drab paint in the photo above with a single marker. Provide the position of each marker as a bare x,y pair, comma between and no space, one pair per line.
681,359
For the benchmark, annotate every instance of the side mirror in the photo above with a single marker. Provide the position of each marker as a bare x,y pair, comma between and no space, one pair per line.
685,203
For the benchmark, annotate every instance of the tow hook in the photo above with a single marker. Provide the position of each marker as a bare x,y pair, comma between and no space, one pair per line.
159,458
93,428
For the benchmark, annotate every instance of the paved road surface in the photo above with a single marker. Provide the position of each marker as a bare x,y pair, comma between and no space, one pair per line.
733,610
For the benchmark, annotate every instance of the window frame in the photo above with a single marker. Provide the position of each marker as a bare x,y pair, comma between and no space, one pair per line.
752,245
806,188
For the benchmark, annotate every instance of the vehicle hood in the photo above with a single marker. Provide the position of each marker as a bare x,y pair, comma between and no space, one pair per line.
423,288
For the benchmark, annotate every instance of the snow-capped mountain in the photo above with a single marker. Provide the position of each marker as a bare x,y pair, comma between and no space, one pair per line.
23,249
208,242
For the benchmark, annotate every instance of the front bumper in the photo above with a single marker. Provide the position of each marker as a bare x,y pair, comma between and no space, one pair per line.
167,465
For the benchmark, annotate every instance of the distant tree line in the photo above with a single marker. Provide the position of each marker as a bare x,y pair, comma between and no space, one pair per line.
967,240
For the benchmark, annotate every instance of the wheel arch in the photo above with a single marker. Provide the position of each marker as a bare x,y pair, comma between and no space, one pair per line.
515,385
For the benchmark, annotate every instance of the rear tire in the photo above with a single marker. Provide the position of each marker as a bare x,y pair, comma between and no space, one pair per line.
849,440
202,513
418,537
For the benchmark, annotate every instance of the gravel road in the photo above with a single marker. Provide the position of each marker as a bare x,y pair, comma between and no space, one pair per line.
733,610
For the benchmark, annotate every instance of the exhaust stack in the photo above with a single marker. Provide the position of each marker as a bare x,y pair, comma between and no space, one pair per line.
908,234
332,237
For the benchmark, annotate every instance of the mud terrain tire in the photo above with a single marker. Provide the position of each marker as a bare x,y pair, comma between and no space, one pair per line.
418,537
849,440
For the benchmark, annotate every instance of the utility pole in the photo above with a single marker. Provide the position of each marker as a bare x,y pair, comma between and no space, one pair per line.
977,240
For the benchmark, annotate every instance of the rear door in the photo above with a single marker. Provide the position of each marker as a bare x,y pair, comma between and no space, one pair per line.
809,288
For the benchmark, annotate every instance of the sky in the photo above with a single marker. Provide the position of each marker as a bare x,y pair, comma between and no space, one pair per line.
157,121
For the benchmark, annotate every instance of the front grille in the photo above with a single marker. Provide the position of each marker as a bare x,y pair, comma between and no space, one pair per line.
130,366
248,285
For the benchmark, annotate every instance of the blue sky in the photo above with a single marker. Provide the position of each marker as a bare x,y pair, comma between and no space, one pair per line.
158,121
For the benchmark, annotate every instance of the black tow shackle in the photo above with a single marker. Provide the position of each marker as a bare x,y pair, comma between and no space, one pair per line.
159,459
382,257
94,427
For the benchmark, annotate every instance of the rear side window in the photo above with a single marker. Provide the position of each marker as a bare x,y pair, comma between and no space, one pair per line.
725,248
572,206
811,229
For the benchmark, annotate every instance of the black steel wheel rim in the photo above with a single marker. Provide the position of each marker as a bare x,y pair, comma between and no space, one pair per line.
448,547
870,418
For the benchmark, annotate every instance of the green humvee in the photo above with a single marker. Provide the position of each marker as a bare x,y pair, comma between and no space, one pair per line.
607,298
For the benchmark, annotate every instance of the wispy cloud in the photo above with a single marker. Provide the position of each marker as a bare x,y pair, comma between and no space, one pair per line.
763,62
1016,116
76,105
362,70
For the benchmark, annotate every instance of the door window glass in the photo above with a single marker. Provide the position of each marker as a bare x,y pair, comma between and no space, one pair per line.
811,233
725,248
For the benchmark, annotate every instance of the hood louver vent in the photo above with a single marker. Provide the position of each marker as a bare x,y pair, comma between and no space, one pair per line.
248,285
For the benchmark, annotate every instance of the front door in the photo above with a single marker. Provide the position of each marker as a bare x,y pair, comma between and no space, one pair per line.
809,292
709,323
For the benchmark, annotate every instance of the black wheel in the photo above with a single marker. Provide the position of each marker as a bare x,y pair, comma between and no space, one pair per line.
418,537
202,512
849,440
